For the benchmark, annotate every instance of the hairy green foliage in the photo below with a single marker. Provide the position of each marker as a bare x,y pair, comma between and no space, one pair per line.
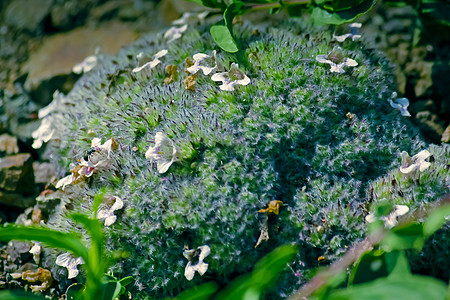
297,133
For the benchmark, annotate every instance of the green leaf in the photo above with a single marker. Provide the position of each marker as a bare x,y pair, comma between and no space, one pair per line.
73,292
404,237
52,238
397,264
199,292
264,274
209,3
322,15
436,219
110,290
409,287
18,295
222,36
370,266
126,280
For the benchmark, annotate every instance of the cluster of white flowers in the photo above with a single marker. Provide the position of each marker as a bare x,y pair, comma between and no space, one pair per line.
336,66
98,159
410,165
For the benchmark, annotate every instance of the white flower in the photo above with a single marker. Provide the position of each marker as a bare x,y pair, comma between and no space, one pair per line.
108,213
354,33
47,130
98,159
64,181
193,265
43,134
36,251
174,33
203,62
231,78
164,152
390,220
86,65
191,18
400,104
337,63
411,164
68,261
60,103
152,63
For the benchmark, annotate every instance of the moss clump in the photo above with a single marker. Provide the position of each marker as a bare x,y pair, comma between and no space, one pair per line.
297,133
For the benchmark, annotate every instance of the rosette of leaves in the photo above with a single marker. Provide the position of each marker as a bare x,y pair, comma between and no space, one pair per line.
286,136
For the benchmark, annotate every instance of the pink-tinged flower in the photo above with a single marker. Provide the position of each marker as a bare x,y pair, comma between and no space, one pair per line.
68,261
107,213
86,65
336,62
196,264
231,78
174,33
164,153
151,64
204,62
417,162
98,159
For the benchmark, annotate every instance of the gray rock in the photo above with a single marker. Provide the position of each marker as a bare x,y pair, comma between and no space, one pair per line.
44,172
25,14
16,200
8,144
16,174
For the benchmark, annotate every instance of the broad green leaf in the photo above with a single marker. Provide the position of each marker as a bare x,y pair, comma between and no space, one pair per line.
222,36
397,264
199,292
19,295
324,16
404,237
110,290
370,266
52,238
409,287
436,219
264,274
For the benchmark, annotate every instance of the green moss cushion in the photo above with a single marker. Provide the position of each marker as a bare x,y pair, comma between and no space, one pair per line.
297,133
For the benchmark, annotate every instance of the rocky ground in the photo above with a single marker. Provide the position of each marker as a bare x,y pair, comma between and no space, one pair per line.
41,40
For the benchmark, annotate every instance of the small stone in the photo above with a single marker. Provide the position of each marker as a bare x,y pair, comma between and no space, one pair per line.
25,14
36,217
44,172
8,144
16,174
